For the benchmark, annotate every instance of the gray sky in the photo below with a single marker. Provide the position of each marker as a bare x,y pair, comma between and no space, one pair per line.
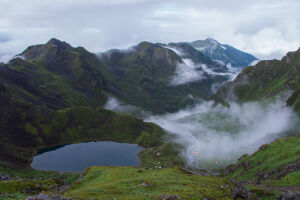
266,28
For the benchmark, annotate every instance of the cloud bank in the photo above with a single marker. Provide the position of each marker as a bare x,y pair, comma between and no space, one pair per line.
214,136
187,72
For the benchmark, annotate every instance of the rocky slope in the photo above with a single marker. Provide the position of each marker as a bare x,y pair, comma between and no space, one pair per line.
273,170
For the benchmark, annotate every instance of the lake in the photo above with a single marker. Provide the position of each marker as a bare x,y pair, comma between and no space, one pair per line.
77,157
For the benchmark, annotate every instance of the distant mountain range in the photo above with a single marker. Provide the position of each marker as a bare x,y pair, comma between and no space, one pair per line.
224,53
159,79
166,74
155,77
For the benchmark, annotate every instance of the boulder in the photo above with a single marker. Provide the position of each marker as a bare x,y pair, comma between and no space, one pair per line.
290,195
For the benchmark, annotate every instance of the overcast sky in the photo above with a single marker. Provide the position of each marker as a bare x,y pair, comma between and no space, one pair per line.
266,28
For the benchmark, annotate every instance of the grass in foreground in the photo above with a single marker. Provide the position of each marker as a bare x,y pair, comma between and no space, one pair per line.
130,183
25,182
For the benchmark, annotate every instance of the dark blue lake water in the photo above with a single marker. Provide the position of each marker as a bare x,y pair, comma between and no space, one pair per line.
77,157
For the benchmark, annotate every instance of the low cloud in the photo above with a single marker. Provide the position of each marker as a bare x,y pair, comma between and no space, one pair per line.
214,136
92,30
187,72
117,106
5,37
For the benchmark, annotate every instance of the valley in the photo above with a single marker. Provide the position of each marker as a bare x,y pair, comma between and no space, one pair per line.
205,130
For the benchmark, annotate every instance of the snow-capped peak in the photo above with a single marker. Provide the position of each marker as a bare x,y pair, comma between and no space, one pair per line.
213,41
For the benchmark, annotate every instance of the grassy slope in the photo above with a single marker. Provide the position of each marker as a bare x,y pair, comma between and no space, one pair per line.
294,101
126,183
268,171
274,167
270,156
165,155
265,80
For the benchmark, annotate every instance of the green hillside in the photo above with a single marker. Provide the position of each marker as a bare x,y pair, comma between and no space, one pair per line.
266,80
25,128
130,183
144,74
272,170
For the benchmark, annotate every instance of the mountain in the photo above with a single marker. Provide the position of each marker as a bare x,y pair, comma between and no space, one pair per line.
156,78
188,52
149,76
266,80
52,95
223,52
56,75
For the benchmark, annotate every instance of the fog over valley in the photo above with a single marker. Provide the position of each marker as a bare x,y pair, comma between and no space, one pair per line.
213,135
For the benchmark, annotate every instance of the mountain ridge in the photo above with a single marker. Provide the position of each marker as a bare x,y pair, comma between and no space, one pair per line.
223,52
265,80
